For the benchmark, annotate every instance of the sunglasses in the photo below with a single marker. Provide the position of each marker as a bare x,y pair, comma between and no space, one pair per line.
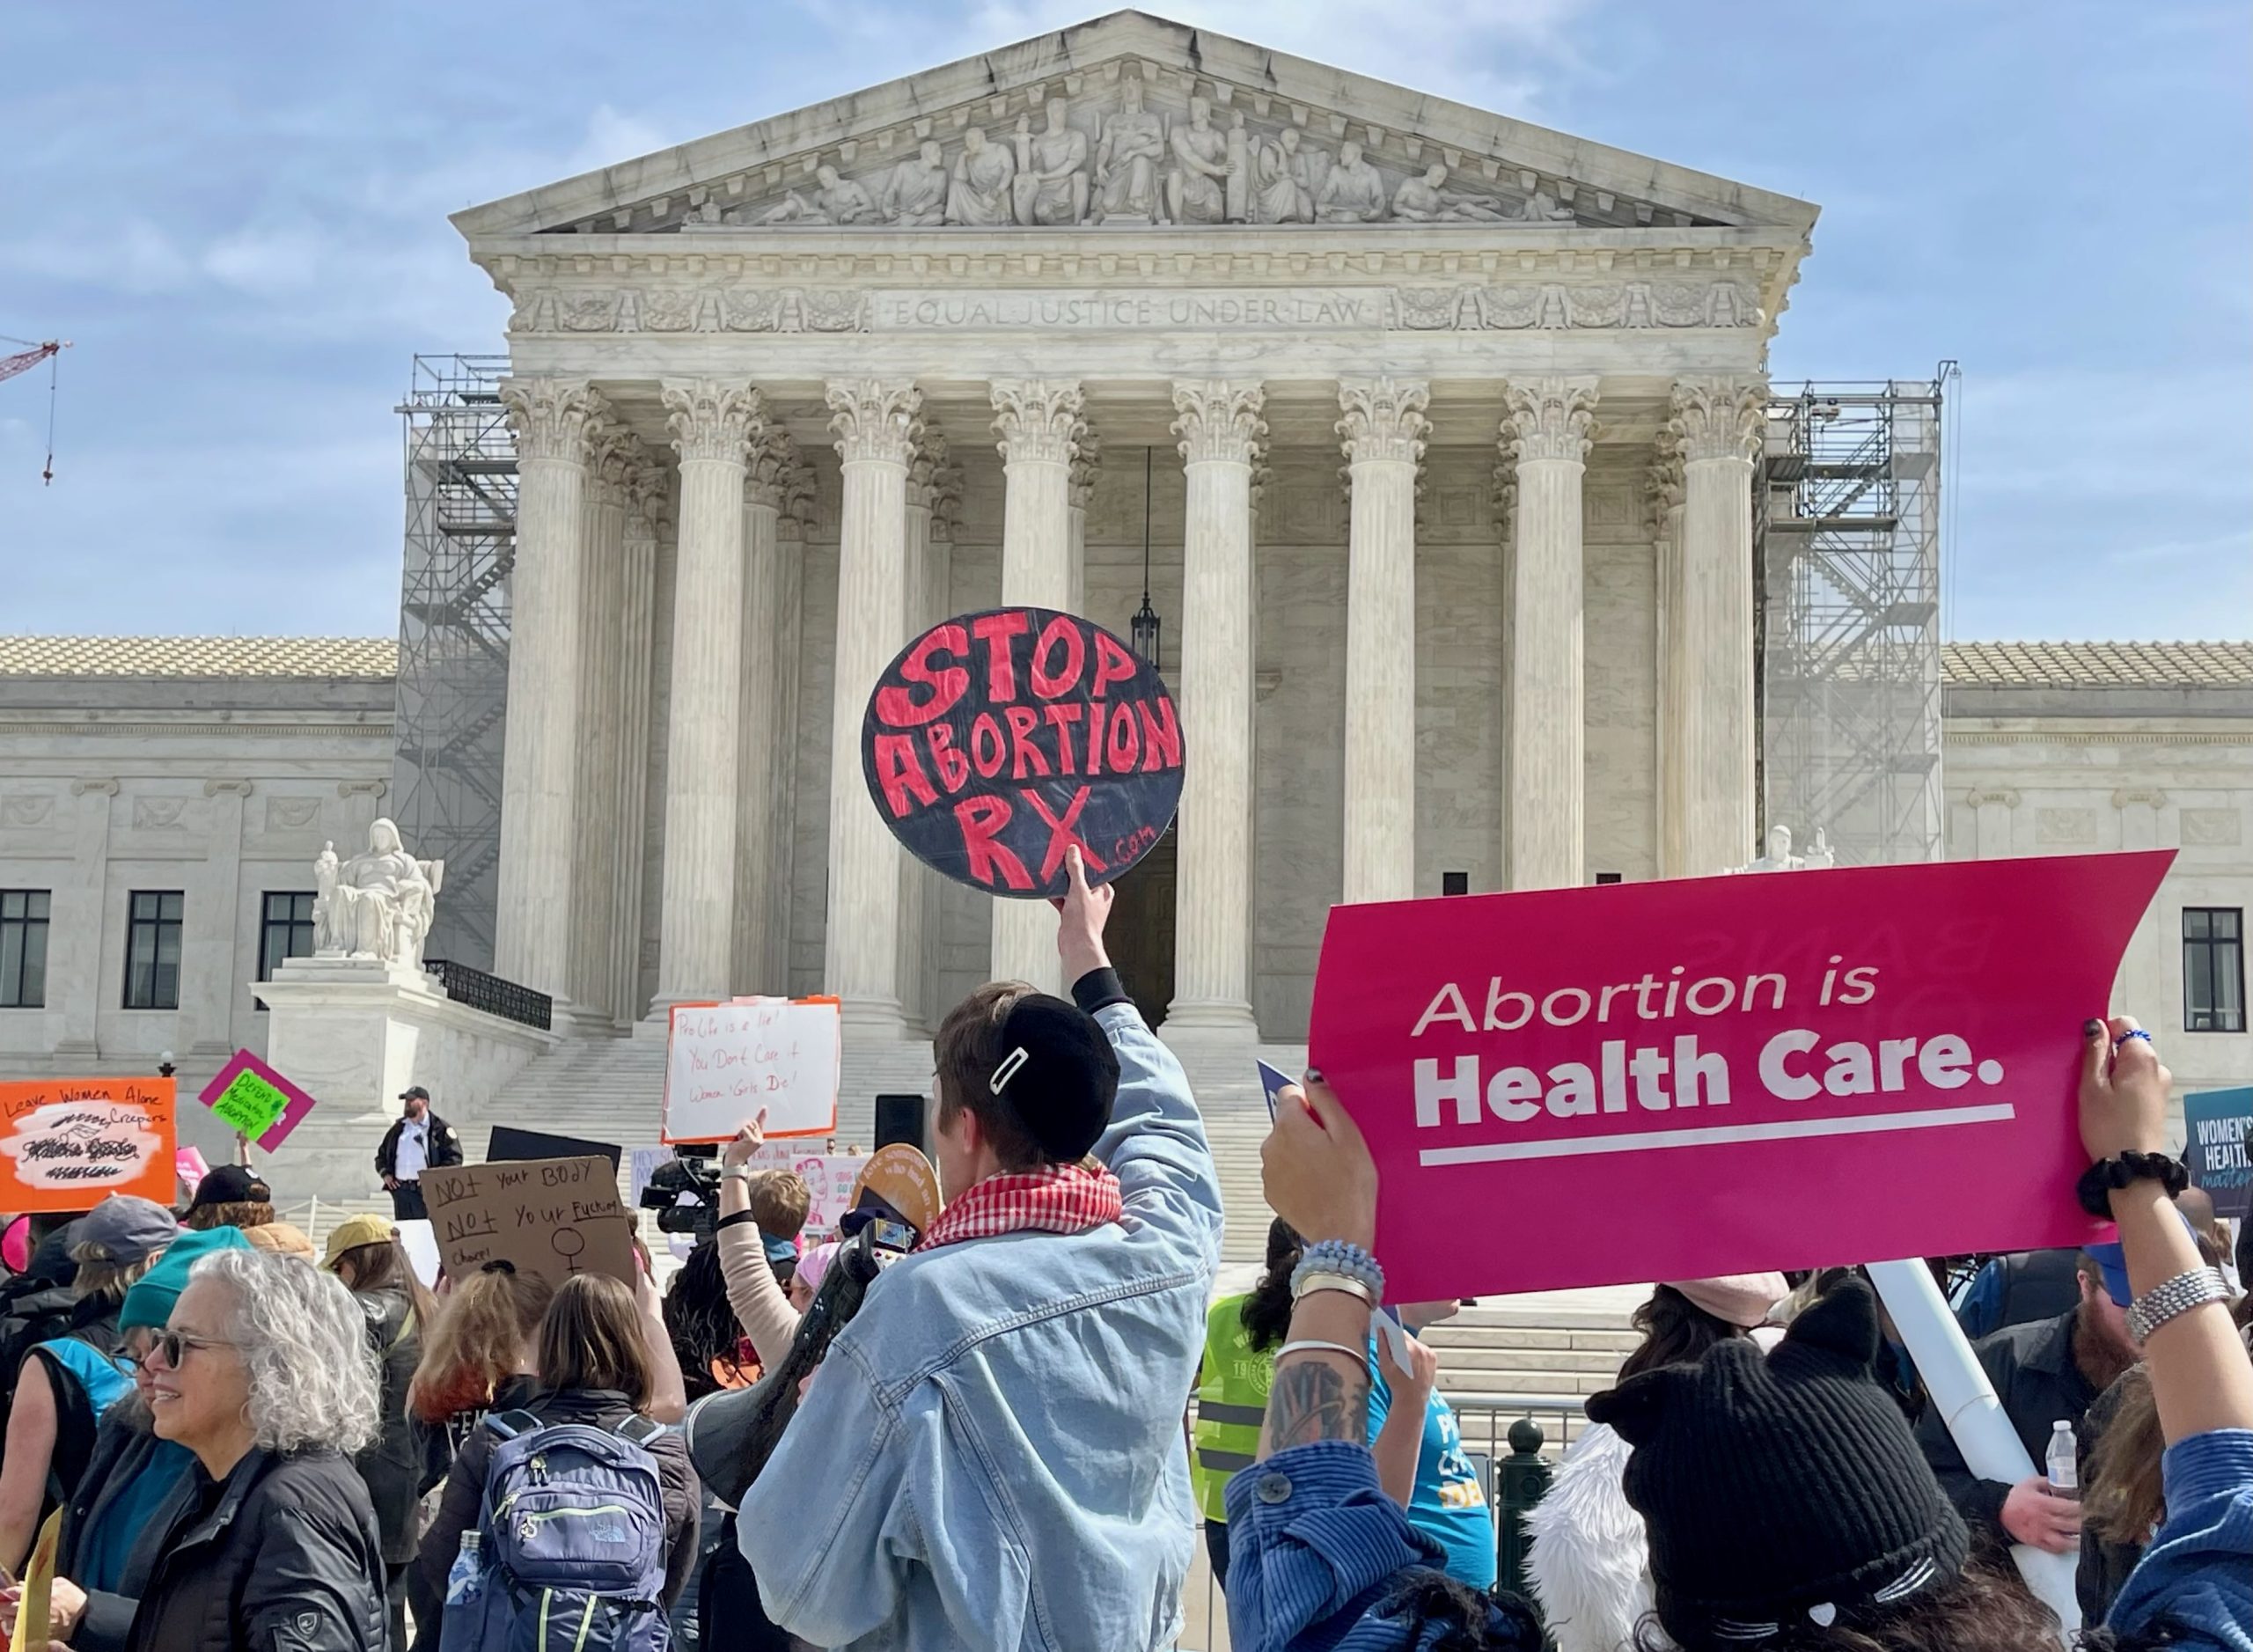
174,1348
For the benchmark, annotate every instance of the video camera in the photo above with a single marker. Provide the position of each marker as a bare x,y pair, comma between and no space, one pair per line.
695,1169
730,1436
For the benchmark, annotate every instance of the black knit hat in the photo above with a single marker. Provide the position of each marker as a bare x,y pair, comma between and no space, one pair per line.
230,1185
1058,1074
1783,1488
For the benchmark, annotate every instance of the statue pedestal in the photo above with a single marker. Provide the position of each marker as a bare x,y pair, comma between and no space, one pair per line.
353,1032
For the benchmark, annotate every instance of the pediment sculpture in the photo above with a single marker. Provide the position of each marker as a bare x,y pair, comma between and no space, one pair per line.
377,904
1074,162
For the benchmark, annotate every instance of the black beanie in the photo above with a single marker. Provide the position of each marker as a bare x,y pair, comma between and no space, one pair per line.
1058,1074
1783,1488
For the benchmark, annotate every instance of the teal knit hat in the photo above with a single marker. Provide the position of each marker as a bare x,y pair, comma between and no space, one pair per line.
149,1300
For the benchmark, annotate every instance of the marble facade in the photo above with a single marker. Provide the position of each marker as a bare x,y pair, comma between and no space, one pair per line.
1416,380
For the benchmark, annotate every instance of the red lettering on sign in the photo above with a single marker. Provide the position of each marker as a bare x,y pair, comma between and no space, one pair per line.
981,819
1058,717
900,772
1062,834
1122,744
996,631
1112,664
947,757
988,750
1161,735
1022,721
1095,739
1047,684
898,707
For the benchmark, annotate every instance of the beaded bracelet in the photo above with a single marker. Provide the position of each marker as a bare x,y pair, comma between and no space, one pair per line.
1337,1255
2193,1289
2100,1180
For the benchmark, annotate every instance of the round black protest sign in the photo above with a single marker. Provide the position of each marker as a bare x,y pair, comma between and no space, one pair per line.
997,740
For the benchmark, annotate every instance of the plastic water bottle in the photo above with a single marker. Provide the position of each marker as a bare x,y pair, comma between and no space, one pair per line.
468,1578
2064,1461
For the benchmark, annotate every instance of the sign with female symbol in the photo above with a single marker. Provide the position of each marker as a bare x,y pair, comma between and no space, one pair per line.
997,740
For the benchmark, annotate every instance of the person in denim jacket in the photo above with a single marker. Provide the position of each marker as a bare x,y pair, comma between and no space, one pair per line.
991,1455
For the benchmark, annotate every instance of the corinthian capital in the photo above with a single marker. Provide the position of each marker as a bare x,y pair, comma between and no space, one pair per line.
1718,418
1385,419
1662,482
712,418
649,498
876,419
1087,459
770,460
1219,419
612,455
1549,417
1036,418
927,470
553,418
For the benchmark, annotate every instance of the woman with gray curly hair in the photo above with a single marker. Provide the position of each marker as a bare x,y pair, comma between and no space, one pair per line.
264,1373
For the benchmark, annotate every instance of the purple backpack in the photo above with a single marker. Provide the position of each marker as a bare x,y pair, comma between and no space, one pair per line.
571,1543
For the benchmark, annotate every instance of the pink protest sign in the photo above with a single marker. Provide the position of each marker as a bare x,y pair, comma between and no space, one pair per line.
256,1100
1671,1080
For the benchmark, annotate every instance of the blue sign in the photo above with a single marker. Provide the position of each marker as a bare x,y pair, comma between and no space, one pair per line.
2215,1122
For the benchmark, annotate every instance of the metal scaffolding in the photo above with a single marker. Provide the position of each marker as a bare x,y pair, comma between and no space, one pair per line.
453,638
1847,554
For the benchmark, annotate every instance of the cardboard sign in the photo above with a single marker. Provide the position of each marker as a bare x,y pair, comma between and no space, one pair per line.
997,740
723,1063
1671,1080
506,1141
35,1605
553,1217
2216,1144
253,1100
65,1143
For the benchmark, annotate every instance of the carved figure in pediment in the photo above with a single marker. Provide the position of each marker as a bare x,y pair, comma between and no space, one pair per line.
704,215
1196,188
1126,161
1281,190
979,195
915,191
1541,207
1422,201
1052,185
837,200
1353,193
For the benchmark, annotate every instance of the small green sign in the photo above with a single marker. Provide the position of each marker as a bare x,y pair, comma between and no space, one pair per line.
249,1105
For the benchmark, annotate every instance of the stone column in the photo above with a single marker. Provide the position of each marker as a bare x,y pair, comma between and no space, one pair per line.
80,922
602,651
1717,424
1503,499
712,423
1383,430
1549,426
1087,459
1221,430
795,517
211,971
1036,421
922,610
876,422
1673,652
647,499
773,460
555,420
931,892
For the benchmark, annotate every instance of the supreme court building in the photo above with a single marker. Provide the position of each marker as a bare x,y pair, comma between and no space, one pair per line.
1438,427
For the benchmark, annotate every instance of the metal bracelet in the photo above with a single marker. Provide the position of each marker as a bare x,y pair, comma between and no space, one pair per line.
2176,1297
1306,1284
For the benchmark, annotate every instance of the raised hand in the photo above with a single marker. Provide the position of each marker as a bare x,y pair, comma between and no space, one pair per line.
1081,915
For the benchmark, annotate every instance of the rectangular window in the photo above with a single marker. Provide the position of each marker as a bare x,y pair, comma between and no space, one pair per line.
153,919
2214,969
1611,878
285,930
1455,883
22,948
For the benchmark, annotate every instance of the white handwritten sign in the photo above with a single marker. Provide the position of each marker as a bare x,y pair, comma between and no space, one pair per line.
725,1062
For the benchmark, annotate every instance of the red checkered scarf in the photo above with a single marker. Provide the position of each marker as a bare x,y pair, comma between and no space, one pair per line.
1059,1199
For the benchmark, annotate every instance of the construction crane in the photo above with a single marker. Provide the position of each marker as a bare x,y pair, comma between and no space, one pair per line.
22,362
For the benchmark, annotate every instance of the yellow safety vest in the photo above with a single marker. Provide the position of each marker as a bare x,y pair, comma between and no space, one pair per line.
1231,1403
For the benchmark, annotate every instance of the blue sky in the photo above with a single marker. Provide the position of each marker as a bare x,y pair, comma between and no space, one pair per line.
237,211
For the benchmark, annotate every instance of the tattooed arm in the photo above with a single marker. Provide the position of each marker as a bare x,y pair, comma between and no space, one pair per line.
1319,1395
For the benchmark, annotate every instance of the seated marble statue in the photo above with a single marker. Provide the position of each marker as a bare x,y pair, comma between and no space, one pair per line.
1052,185
377,904
1780,857
1196,189
1126,163
1353,193
838,199
979,195
1281,190
915,191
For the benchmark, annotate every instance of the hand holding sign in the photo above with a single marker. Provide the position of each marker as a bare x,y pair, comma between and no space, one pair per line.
996,742
1316,1169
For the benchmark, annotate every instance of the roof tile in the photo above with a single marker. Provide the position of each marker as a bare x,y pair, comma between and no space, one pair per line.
2097,665
198,657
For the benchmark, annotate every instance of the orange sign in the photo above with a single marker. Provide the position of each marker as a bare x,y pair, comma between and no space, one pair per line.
66,1143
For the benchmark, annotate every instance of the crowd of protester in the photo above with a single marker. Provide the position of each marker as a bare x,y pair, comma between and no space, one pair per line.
253,1444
